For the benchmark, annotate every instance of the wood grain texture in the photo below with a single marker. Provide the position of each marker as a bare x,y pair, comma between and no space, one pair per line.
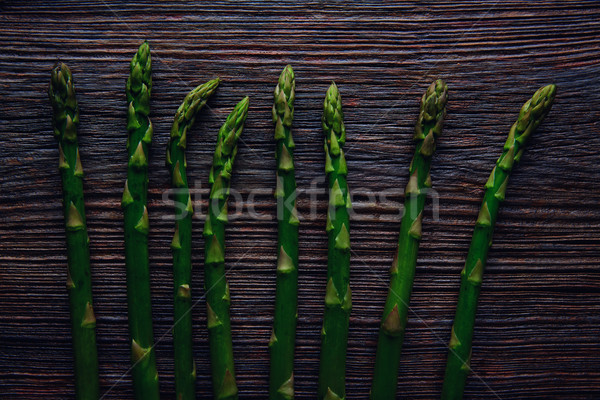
537,332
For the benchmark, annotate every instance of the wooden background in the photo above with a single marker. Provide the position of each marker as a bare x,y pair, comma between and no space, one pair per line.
538,326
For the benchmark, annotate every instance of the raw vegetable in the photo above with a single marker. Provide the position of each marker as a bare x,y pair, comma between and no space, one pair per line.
402,272
217,289
135,210
461,336
185,369
283,337
338,297
65,120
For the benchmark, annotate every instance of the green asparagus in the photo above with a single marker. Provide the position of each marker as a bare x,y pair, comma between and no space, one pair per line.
391,331
134,203
338,298
459,355
217,289
185,368
65,121
283,337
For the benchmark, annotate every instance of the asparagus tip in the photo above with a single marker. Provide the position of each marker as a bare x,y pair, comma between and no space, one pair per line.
287,71
61,81
333,89
541,101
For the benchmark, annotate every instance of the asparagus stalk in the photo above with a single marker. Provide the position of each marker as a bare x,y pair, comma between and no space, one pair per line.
217,289
134,203
338,298
391,332
185,369
65,121
283,337
459,355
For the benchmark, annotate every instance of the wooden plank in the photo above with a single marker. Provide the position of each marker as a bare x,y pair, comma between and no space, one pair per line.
537,326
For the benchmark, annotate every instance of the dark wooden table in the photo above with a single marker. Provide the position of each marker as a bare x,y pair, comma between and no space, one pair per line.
537,332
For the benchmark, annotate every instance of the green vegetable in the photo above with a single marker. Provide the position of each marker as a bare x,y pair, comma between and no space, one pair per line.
185,369
391,332
281,384
134,203
338,298
217,289
65,121
459,357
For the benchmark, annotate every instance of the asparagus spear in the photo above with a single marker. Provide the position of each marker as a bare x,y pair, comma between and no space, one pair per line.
134,203
217,289
65,121
391,332
281,384
459,355
185,369
338,298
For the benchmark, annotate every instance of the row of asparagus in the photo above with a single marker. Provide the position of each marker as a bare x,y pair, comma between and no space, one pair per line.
338,298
